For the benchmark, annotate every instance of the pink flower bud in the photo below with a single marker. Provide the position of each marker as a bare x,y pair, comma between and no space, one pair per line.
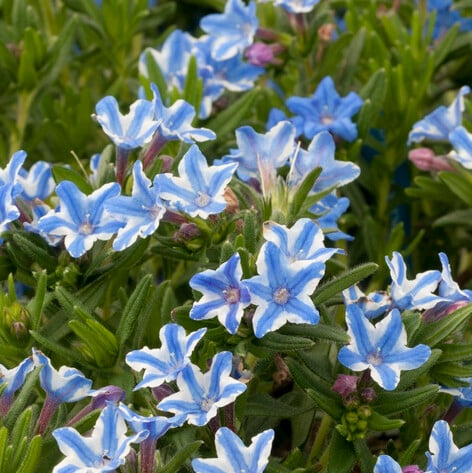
425,160
345,385
259,54
412,469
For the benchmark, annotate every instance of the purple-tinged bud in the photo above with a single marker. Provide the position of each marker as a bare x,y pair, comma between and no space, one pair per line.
186,232
162,392
425,160
442,309
108,393
18,329
412,469
325,32
166,162
174,217
368,395
345,385
259,54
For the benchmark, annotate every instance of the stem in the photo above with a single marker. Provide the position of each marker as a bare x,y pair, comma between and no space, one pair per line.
156,145
49,408
121,163
82,413
321,435
5,403
453,411
147,450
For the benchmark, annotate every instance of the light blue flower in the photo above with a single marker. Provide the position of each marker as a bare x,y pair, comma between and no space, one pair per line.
38,183
104,450
282,290
8,210
326,110
176,121
200,395
441,122
372,305
461,141
233,30
81,218
380,348
140,213
304,241
320,153
386,464
412,294
164,363
199,191
330,208
444,456
127,131
463,394
448,288
297,6
38,211
224,295
260,155
13,379
10,175
63,385
234,457
447,17
277,115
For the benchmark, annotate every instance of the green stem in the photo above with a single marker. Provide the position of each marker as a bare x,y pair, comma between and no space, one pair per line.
321,435
22,112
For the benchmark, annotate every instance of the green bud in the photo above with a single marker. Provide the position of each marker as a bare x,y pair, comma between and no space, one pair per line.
351,417
364,412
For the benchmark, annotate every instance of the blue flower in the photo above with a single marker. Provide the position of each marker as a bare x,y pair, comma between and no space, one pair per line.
10,175
177,120
80,218
165,363
232,30
412,294
448,288
234,457
104,450
461,141
140,213
38,183
444,456
199,191
372,305
200,395
224,295
277,115
260,155
386,464
441,122
330,208
297,6
463,394
304,241
127,131
446,17
381,348
326,110
38,211
320,153
8,210
282,290
13,379
66,385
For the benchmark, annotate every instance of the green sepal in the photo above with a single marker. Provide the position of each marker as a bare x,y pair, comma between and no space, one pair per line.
389,403
433,333
343,281
180,458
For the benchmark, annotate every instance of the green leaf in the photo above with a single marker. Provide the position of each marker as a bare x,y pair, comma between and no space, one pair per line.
319,331
455,352
442,49
458,217
389,403
135,305
27,74
364,455
302,192
307,378
433,333
341,455
154,73
72,304
37,303
32,456
250,231
193,86
381,423
407,456
3,448
65,174
373,94
327,404
34,249
180,458
343,281
262,404
284,343
459,185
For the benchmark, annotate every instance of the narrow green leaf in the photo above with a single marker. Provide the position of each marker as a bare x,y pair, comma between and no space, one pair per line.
250,231
458,217
180,458
341,454
35,250
366,459
459,185
302,192
36,305
193,84
455,352
320,331
381,423
284,343
65,174
262,404
327,404
396,402
3,448
407,456
306,378
31,459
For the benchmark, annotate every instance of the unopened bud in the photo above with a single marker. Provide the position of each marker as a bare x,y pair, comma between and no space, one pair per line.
186,232
162,392
259,54
368,395
425,160
412,469
325,32
345,385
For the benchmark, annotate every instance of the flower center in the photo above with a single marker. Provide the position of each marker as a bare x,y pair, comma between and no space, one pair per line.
206,404
202,200
281,295
326,119
155,211
231,295
375,358
86,228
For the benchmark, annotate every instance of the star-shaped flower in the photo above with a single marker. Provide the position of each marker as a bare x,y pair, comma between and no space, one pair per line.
412,294
140,213
232,30
127,131
304,241
224,295
10,175
282,290
326,110
372,305
165,363
199,191
234,457
330,208
444,456
8,210
462,395
297,6
200,395
381,348
105,450
461,141
37,183
81,218
441,122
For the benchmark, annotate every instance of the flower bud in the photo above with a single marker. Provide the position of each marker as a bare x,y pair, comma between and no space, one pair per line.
412,469
345,385
368,395
425,160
